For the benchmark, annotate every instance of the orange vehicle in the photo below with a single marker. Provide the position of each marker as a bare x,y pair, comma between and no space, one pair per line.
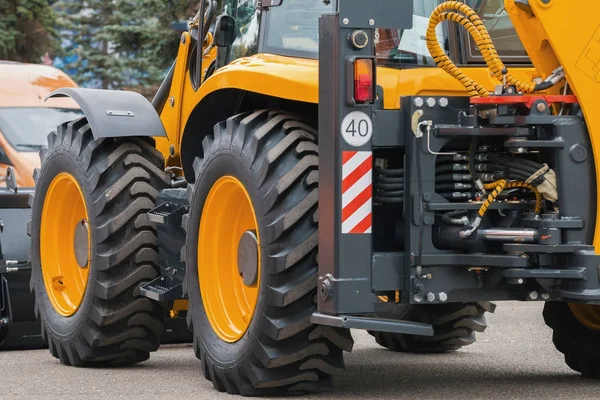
24,115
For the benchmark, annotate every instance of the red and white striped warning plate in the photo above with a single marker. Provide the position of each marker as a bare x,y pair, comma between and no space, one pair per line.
357,172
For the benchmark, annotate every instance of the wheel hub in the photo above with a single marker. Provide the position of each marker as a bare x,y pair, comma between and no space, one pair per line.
587,314
65,244
228,259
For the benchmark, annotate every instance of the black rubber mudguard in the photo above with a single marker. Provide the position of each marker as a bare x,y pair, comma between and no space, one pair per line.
19,329
115,113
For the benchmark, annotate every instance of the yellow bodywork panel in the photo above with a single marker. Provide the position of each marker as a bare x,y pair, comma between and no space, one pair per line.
567,33
298,79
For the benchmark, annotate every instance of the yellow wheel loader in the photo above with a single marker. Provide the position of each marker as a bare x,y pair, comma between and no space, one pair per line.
309,167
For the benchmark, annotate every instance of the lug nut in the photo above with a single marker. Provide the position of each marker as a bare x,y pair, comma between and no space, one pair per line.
546,296
418,298
430,297
325,290
418,102
533,295
443,296
443,102
431,102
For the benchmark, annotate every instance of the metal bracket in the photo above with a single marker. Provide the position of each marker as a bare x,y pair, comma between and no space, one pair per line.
373,324
167,213
160,290
575,273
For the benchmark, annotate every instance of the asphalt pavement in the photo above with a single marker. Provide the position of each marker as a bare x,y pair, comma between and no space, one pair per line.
513,359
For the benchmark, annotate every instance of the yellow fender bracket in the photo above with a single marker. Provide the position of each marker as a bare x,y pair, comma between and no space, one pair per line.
566,33
271,75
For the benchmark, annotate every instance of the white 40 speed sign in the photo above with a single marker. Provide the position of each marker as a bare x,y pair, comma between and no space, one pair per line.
357,128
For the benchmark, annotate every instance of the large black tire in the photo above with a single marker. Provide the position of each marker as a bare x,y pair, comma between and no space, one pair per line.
119,179
275,156
454,327
579,344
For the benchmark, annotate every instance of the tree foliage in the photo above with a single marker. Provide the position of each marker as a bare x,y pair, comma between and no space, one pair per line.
121,44
27,30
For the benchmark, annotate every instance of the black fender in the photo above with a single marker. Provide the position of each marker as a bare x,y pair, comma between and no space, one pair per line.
115,113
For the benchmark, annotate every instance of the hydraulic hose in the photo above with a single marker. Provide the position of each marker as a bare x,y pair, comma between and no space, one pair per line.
474,25
539,199
497,187
456,218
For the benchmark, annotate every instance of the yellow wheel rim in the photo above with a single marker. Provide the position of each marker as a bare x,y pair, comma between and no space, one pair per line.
227,215
587,314
64,221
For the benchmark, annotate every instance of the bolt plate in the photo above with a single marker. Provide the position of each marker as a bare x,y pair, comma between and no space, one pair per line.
248,258
81,244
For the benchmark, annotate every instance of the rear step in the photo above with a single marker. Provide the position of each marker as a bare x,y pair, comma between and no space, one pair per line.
373,324
160,290
168,214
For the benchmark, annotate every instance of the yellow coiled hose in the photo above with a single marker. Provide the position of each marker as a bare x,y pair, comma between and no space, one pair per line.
539,199
448,11
497,188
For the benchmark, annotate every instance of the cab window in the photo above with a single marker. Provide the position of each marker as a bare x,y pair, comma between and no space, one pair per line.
293,27
503,34
247,18
402,47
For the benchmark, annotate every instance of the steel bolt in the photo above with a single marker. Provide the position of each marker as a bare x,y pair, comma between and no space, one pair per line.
371,22
430,297
541,107
182,39
545,296
431,102
533,295
442,296
325,290
520,150
443,102
418,298
172,101
418,102
346,21
578,153
520,281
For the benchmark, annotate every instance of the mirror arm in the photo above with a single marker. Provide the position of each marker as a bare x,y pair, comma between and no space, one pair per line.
199,42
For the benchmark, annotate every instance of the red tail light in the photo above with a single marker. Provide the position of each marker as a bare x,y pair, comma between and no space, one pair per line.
363,81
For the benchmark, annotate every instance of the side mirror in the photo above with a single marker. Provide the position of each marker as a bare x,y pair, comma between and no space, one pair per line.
225,31
11,180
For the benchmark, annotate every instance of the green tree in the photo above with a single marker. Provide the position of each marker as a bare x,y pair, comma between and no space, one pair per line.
27,30
122,44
